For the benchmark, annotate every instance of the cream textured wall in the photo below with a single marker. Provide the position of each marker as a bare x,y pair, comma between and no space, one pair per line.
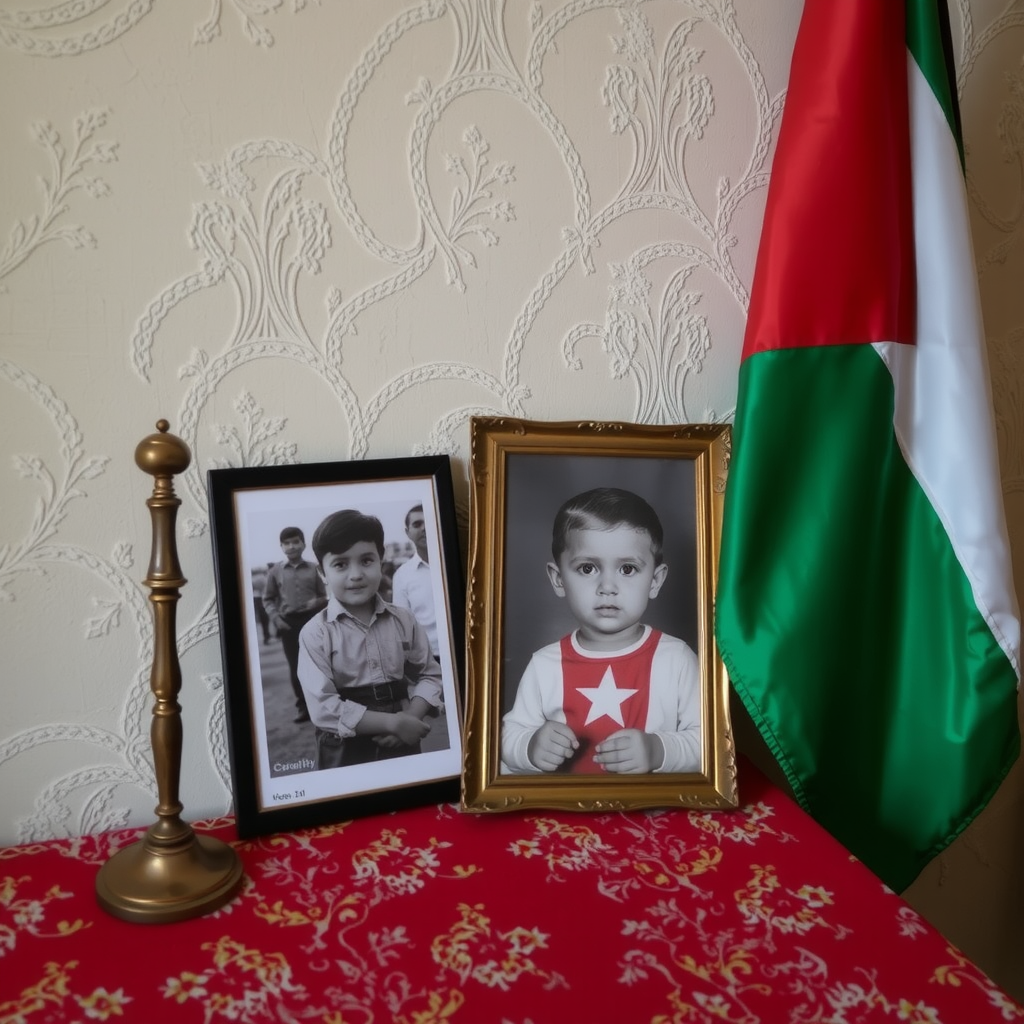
319,231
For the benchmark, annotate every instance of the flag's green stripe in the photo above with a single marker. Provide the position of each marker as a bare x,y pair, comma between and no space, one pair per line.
928,40
845,620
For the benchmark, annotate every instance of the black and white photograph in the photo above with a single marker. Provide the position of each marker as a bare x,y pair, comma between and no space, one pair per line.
600,616
593,674
340,595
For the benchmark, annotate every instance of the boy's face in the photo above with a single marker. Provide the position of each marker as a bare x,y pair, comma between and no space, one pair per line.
608,576
353,576
293,548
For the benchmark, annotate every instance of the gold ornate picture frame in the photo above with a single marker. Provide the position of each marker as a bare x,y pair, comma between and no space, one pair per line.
519,623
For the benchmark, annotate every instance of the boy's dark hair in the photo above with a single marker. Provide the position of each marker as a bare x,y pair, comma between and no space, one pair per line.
340,530
292,531
415,508
604,508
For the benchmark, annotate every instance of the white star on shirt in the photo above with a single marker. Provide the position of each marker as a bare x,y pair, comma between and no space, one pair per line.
606,699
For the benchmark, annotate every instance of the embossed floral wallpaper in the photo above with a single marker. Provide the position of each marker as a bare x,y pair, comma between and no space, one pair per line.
310,230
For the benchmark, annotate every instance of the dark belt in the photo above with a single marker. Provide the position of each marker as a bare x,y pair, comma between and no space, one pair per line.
375,693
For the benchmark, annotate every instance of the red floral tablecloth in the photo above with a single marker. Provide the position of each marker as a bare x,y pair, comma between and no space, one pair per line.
431,916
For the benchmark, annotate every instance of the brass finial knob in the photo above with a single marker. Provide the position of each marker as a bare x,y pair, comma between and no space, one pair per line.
162,454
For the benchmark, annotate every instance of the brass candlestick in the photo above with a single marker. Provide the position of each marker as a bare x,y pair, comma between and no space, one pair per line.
171,873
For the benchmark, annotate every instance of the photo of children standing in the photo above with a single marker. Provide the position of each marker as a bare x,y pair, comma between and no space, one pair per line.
347,690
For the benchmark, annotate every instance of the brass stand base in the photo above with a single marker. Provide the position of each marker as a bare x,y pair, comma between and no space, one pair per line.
153,882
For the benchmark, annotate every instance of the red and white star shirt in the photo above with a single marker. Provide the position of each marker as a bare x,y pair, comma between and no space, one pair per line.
653,685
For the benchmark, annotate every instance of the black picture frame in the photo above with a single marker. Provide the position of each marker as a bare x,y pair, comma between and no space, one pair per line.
276,785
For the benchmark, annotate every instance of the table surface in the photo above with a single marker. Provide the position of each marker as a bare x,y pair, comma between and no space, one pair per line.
430,915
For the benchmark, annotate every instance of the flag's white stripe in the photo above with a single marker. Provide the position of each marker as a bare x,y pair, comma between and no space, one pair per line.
943,412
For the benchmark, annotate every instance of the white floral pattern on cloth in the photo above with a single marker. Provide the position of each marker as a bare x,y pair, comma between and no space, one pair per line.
435,917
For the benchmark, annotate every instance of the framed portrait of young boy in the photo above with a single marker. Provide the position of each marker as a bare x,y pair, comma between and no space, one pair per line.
593,677
342,613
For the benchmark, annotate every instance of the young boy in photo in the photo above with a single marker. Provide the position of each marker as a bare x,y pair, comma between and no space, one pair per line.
614,695
293,591
365,666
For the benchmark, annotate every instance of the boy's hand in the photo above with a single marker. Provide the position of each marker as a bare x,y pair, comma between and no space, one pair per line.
406,728
630,751
550,745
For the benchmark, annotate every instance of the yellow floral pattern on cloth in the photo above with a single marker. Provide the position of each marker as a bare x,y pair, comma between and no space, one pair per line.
430,916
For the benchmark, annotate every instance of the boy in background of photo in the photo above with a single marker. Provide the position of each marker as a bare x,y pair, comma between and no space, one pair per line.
292,593
413,586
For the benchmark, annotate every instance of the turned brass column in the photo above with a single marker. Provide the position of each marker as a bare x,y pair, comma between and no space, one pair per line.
171,873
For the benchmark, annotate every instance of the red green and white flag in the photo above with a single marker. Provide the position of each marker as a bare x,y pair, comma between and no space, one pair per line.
865,606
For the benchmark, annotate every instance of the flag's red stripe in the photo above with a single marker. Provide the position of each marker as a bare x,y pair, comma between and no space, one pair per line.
836,262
